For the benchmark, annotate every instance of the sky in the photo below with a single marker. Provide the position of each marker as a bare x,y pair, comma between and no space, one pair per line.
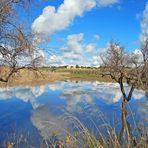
74,32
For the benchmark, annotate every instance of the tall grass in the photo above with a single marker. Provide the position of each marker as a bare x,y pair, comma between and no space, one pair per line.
80,135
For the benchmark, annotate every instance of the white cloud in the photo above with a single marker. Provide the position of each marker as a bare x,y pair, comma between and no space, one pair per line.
52,20
90,47
55,60
76,37
106,2
76,51
144,25
96,61
74,42
73,49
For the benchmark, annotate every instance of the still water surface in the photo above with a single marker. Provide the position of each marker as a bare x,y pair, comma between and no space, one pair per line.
36,113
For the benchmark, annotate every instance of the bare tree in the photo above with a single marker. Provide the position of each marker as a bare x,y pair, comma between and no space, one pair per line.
15,41
125,68
144,51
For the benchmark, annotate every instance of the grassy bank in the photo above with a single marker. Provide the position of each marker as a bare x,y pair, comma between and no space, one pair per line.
47,75
31,77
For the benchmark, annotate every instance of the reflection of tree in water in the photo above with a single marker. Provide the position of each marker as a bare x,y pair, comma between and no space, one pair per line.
126,135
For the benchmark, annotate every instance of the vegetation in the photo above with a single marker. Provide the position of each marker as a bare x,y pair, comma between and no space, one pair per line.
44,75
85,138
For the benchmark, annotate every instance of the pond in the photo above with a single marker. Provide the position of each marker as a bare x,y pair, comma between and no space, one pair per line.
31,115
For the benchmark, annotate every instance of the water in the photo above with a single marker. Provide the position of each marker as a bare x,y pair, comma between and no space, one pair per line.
31,115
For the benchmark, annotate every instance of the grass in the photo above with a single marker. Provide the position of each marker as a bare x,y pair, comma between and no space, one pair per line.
86,74
102,135
28,77
84,138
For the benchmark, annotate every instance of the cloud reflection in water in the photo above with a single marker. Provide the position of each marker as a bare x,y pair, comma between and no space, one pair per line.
76,98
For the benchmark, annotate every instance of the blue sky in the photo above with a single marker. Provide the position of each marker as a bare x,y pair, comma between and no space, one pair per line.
87,25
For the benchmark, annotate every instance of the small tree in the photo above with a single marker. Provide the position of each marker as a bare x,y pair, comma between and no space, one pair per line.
123,67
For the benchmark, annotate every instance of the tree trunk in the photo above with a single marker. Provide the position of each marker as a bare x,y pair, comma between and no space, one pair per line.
125,96
122,88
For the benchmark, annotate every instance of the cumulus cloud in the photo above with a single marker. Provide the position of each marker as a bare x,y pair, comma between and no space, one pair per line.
74,42
96,61
52,20
73,50
78,52
144,25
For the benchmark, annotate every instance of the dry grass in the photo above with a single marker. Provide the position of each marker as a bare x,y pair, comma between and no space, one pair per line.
44,76
82,137
31,77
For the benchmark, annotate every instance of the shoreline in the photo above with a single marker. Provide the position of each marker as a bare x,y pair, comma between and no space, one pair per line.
29,78
44,82
43,77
